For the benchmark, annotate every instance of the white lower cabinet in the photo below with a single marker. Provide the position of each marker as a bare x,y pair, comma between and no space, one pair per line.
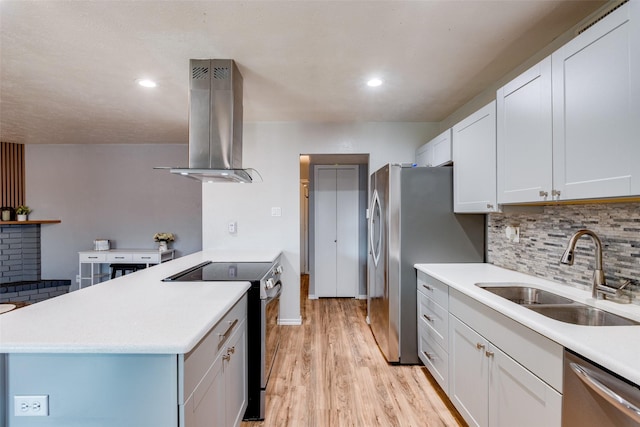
433,328
497,372
489,388
215,375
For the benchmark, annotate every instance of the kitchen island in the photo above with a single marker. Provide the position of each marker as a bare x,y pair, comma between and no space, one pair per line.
116,353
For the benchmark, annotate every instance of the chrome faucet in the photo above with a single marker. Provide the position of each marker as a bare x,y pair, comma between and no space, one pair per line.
599,283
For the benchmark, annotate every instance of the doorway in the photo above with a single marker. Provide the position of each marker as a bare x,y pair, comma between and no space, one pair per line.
312,229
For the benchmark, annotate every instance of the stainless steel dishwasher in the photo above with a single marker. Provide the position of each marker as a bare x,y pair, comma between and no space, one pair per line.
593,396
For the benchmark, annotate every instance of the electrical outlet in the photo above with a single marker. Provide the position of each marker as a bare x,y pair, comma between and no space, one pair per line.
513,233
232,227
31,406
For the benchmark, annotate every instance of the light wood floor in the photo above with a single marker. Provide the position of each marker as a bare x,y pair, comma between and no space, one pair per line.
330,372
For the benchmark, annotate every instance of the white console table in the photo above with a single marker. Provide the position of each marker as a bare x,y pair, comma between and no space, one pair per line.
94,265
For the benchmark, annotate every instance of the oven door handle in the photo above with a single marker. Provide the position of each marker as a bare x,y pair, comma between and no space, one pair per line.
278,285
606,393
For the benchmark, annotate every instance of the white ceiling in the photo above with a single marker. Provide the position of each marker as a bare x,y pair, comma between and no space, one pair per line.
68,68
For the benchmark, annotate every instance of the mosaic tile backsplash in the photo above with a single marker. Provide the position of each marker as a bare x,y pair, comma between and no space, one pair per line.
545,232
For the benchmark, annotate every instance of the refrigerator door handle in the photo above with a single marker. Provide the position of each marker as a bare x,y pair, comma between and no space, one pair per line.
375,251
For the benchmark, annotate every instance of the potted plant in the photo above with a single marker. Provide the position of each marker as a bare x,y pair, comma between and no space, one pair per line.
22,211
163,238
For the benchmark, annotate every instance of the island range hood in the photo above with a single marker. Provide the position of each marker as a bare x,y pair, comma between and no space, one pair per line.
215,123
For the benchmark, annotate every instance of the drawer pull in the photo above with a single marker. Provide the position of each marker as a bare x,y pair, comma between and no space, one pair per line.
479,346
145,257
93,257
428,355
427,287
427,317
223,337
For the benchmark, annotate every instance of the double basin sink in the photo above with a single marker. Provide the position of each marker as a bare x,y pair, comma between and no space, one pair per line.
555,306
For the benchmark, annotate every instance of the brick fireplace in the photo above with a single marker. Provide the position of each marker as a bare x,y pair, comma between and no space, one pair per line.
20,279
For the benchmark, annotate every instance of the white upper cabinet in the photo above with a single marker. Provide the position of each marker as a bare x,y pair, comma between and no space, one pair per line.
436,152
596,109
474,160
568,128
524,132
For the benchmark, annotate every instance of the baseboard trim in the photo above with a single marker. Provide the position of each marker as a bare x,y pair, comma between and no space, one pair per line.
290,322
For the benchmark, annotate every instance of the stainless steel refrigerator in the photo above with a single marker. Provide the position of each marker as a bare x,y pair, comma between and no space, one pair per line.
411,221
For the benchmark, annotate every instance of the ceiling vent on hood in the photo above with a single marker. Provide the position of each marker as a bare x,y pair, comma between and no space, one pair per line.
215,123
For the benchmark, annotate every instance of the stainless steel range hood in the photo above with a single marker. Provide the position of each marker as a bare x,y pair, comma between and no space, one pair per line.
215,123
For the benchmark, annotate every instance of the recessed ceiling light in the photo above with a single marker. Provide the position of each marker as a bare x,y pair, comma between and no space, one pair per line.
146,83
375,82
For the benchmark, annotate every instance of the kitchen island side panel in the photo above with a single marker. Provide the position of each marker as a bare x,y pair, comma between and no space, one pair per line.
96,390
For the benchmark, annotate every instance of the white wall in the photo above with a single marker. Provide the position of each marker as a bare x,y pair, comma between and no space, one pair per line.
111,192
273,148
489,94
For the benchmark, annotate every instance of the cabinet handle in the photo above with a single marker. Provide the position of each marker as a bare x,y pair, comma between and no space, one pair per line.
555,193
231,350
429,288
489,353
226,357
428,355
489,206
543,193
427,317
479,346
223,337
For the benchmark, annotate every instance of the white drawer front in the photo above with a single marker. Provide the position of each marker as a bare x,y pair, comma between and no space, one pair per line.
434,357
198,361
434,289
147,258
115,257
436,320
93,257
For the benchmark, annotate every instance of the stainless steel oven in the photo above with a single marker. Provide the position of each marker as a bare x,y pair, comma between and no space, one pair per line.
263,332
594,396
269,310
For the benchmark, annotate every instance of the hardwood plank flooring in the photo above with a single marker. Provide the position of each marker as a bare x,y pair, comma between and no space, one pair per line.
330,372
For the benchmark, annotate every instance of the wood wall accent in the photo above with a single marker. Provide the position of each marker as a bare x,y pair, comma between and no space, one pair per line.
12,175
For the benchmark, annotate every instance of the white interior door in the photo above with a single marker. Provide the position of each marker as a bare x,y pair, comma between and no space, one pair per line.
336,231
347,232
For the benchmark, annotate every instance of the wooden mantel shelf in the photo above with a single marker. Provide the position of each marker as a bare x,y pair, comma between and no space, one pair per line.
35,221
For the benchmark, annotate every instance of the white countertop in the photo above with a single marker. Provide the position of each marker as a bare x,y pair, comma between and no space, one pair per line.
615,347
136,313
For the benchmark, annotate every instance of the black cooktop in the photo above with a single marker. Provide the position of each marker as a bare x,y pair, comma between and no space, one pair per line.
222,271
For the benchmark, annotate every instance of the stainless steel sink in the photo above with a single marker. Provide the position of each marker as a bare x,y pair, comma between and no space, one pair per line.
555,306
524,294
580,314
